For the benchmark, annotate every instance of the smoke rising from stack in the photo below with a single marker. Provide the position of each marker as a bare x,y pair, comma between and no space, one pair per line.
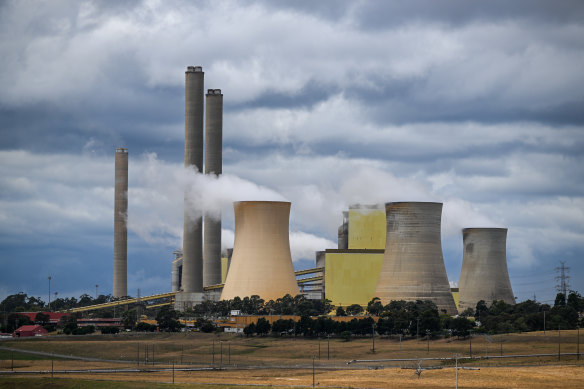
120,279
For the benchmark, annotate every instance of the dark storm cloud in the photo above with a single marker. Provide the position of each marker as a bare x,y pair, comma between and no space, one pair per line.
479,105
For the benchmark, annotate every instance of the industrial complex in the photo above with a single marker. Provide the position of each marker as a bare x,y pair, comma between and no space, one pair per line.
392,251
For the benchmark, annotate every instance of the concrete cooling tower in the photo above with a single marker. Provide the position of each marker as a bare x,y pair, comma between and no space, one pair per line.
484,274
120,281
192,275
413,264
261,263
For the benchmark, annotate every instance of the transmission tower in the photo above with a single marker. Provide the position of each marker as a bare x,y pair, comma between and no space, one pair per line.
562,284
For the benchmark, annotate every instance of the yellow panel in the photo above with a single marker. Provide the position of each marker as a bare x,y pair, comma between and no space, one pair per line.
367,229
351,278
224,265
455,296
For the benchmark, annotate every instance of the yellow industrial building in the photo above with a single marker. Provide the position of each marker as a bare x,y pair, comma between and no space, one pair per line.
352,271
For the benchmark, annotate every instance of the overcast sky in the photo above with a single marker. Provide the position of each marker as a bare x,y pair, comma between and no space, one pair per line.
326,104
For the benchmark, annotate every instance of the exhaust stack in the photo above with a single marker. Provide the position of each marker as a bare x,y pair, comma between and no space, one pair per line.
120,282
192,275
213,165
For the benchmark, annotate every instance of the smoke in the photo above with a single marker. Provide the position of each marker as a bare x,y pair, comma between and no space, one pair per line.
157,194
303,245
211,194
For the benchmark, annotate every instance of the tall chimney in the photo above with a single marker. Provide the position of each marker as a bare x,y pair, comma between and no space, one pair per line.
192,275
213,165
120,224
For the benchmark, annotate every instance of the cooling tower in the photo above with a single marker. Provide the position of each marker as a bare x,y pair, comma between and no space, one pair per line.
213,165
484,274
120,283
261,263
413,265
192,275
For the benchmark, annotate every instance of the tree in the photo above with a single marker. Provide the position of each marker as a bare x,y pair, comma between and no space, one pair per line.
576,301
341,311
560,300
129,319
461,326
167,319
263,326
42,318
374,307
249,330
354,309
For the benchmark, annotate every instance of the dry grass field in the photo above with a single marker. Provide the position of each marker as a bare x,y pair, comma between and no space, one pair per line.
288,362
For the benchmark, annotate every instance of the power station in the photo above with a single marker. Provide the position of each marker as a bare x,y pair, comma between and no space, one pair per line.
393,252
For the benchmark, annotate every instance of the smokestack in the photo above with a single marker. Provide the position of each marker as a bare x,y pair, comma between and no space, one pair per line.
213,165
261,263
484,274
192,275
413,264
120,283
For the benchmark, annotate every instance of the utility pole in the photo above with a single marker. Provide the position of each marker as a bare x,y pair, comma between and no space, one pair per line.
470,339
328,347
49,293
373,336
559,344
313,371
428,340
96,286
563,283
544,322
417,328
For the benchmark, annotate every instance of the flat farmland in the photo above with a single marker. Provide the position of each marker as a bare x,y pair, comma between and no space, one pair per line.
230,359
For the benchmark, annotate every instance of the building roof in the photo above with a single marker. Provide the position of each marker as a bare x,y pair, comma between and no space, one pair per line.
30,328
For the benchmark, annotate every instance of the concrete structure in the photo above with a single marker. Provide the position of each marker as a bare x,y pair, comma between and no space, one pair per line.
192,274
213,165
120,282
176,272
484,274
413,265
366,227
261,263
351,276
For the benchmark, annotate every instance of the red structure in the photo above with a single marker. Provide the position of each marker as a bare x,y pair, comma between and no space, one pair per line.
54,317
33,330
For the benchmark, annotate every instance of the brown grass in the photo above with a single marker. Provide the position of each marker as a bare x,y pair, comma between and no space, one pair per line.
289,361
